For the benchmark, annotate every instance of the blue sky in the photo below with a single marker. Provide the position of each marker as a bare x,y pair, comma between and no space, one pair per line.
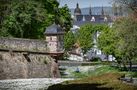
85,3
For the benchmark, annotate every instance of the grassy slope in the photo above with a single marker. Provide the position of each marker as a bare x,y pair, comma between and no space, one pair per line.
104,78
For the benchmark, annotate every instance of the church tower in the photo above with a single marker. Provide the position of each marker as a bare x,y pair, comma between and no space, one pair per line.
77,10
120,10
115,9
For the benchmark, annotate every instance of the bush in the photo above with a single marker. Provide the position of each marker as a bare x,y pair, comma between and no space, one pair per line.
95,59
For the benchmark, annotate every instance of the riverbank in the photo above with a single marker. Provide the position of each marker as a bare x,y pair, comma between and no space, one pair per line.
108,81
103,77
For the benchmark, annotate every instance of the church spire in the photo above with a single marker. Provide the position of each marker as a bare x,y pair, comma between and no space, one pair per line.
77,5
102,12
90,10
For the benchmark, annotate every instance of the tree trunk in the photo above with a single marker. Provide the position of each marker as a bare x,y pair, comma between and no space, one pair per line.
130,65
124,64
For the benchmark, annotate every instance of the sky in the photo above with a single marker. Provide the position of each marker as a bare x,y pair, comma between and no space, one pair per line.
85,3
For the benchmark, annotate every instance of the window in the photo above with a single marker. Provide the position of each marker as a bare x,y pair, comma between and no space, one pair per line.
50,38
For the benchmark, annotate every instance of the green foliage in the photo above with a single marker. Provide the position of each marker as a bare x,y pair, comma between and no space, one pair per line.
29,18
105,77
106,41
25,20
84,37
96,59
65,19
121,40
69,40
87,33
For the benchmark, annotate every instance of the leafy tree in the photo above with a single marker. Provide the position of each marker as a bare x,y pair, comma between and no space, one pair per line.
106,41
120,41
69,40
4,9
87,34
25,20
65,19
29,18
84,37
126,30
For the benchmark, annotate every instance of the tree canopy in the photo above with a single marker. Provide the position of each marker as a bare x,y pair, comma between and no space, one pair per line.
29,18
84,37
69,40
121,40
87,34
25,20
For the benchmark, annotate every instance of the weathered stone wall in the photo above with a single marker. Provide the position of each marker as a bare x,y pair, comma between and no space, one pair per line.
17,65
23,44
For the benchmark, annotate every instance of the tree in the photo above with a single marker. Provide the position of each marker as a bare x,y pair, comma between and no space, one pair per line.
84,37
87,34
126,30
69,40
58,15
29,18
4,9
25,20
106,41
120,41
65,19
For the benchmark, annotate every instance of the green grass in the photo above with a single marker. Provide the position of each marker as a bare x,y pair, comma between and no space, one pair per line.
102,70
104,77
98,71
106,81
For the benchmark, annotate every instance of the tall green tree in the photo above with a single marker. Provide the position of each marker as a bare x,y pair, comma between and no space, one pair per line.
65,19
69,40
85,37
106,41
121,41
25,20
87,34
127,31
4,9
29,18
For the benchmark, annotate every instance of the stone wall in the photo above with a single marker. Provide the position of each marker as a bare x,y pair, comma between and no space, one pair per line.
19,65
23,44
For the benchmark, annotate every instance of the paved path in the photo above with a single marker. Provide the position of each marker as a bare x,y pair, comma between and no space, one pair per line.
75,63
29,84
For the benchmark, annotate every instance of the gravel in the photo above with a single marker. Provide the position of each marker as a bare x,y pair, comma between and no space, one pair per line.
30,84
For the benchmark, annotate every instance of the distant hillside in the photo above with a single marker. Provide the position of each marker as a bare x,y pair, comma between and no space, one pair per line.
95,10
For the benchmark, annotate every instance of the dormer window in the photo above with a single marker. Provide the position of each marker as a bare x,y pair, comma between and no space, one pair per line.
105,19
50,38
93,19
83,18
